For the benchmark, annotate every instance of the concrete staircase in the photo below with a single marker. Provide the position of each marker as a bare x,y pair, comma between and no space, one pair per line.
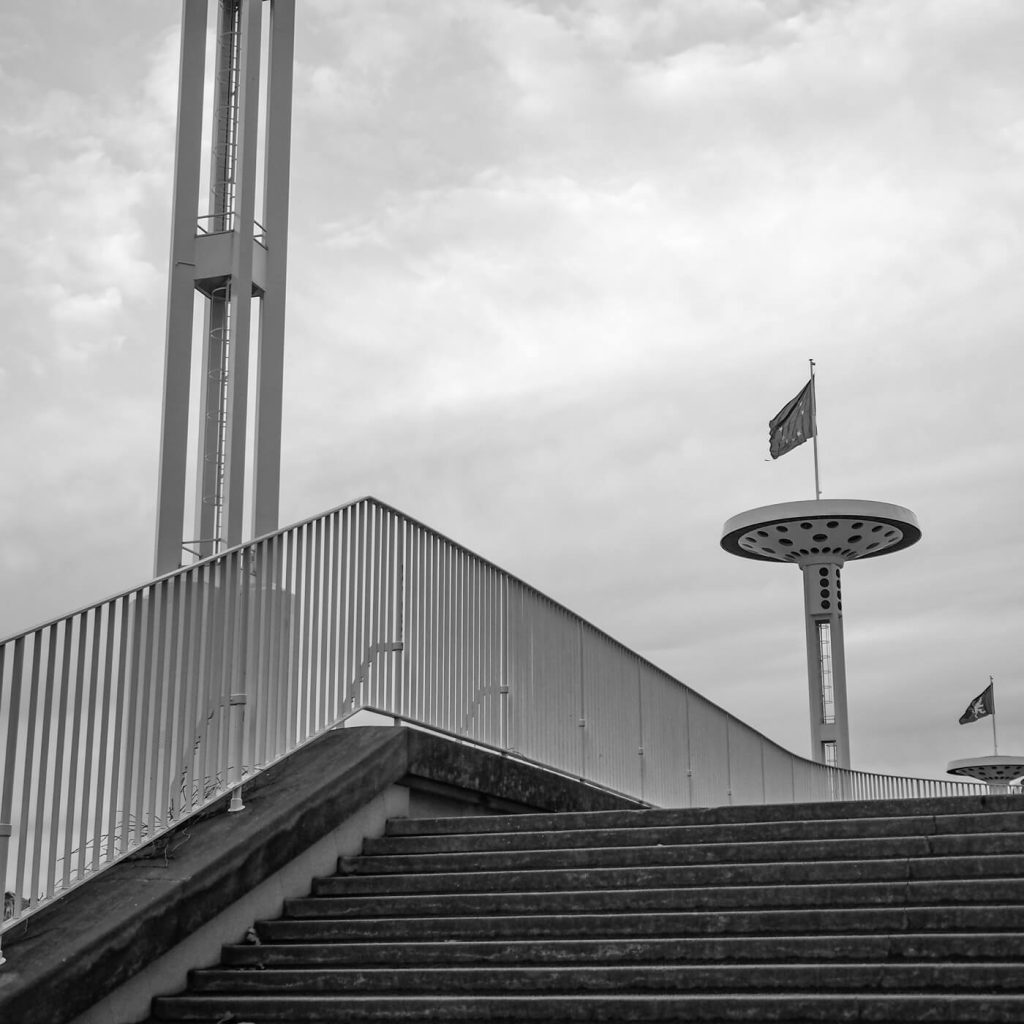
880,911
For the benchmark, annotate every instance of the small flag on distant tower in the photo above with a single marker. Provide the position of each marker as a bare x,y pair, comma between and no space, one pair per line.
982,705
794,424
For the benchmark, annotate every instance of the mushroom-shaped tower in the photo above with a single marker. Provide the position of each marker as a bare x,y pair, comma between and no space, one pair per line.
820,537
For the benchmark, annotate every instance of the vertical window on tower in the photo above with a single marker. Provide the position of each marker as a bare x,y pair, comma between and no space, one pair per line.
828,752
828,707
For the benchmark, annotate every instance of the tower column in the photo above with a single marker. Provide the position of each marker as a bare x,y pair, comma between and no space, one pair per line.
267,468
170,507
242,271
826,662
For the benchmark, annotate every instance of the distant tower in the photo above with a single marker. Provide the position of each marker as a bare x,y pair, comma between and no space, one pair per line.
819,537
223,252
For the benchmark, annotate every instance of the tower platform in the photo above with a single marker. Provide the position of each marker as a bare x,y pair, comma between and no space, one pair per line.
840,529
996,769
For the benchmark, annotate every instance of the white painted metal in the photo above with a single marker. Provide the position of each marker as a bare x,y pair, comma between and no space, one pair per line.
611,735
242,277
850,528
181,288
823,607
664,715
5,838
120,720
993,769
267,467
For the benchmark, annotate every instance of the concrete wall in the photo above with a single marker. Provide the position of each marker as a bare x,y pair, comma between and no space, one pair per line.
169,973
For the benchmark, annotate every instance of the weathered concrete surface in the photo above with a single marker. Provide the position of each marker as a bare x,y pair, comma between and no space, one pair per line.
100,934
500,782
937,808
799,921
65,958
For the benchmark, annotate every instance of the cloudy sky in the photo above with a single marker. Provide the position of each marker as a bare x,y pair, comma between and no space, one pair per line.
552,268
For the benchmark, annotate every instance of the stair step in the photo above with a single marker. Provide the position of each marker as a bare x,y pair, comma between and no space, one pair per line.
808,921
696,876
680,835
711,898
657,817
494,980
883,911
699,853
963,946
760,1007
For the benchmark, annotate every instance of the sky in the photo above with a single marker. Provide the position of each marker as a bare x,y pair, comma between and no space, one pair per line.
552,268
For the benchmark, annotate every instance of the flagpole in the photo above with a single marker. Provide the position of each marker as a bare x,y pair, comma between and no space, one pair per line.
995,745
814,420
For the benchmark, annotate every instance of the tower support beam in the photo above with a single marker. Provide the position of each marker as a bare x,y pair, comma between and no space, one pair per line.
237,391
170,506
267,467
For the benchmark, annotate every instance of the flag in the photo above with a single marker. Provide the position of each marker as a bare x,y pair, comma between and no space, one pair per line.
982,705
794,423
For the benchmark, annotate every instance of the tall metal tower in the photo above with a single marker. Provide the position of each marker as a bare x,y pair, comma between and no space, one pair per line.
227,255
820,537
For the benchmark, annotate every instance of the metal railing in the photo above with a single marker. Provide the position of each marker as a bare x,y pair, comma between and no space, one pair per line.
221,223
121,719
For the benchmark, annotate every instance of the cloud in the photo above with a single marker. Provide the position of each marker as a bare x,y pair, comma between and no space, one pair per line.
82,256
92,251
552,267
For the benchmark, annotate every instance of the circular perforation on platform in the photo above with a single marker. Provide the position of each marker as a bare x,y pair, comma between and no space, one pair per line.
990,772
845,532
791,541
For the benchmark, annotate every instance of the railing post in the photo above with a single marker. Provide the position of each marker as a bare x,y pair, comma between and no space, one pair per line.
5,838
236,723
506,620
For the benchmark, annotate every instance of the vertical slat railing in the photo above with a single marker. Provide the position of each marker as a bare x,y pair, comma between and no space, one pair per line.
277,651
27,839
10,711
105,683
122,719
136,661
331,626
154,722
117,716
72,832
46,752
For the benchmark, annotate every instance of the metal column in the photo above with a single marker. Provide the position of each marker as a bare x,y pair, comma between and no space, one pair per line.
267,468
170,502
826,682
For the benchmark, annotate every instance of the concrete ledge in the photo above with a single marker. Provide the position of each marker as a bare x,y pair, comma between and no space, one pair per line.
73,953
496,784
